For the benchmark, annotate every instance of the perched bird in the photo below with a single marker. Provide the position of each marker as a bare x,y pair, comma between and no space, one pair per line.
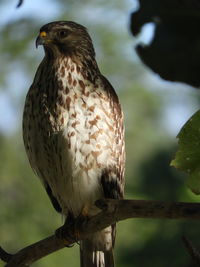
73,132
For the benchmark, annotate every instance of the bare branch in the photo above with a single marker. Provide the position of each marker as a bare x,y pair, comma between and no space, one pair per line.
193,252
111,211
20,3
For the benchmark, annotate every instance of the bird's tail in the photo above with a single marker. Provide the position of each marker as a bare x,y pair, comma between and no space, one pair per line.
97,250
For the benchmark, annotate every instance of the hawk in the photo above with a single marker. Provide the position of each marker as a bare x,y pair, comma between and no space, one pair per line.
73,132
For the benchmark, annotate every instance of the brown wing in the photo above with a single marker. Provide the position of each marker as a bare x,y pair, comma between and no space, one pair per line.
113,178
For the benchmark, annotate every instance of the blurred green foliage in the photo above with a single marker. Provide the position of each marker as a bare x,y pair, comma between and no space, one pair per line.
188,155
26,214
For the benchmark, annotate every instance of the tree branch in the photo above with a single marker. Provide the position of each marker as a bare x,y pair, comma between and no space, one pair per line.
20,2
111,211
192,250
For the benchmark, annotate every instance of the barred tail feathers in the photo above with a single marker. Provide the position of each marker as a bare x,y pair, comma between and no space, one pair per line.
97,250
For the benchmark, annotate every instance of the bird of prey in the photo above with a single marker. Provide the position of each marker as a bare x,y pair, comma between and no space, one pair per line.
73,133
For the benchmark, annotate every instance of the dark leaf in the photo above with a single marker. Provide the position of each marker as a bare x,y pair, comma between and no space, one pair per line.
175,50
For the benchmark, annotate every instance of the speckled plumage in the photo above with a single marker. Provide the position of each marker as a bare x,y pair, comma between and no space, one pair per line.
73,131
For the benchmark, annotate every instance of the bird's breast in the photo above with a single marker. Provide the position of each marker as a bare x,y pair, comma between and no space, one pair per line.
72,140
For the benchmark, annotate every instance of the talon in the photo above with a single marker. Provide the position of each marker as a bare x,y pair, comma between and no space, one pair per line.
69,246
77,234
101,204
70,231
63,233
79,223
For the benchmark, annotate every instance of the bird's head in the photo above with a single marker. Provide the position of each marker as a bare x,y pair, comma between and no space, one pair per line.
65,38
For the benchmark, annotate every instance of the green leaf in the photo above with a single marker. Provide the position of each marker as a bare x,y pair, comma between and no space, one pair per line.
187,157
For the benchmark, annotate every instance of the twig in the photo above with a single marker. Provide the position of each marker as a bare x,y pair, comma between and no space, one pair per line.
192,250
111,211
20,3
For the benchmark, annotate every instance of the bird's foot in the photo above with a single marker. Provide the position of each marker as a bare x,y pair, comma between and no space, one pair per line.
70,231
79,222
83,217
67,231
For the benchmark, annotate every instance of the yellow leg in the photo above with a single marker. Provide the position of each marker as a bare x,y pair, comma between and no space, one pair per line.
80,219
85,210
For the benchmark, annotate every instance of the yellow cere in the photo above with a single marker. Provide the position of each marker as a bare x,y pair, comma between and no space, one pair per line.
43,34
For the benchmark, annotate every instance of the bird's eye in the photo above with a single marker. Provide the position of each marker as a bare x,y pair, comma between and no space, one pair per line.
63,33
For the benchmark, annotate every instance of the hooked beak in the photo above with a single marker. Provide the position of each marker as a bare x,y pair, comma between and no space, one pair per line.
41,39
